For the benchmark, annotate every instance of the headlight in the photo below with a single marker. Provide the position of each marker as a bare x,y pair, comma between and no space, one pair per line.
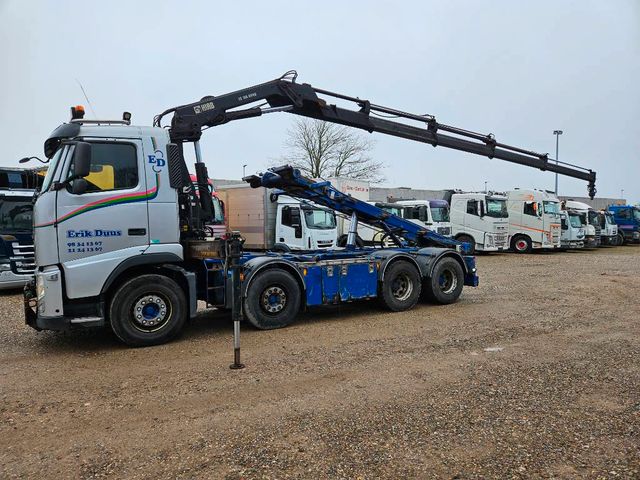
39,287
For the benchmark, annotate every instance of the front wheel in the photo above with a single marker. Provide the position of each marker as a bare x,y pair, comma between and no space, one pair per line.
521,244
273,300
342,241
621,239
148,310
400,288
445,284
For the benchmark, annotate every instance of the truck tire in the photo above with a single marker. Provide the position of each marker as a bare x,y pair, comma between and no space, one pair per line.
272,300
342,241
400,286
468,239
148,310
621,240
521,244
445,284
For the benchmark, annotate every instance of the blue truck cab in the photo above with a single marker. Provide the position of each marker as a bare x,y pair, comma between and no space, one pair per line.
627,217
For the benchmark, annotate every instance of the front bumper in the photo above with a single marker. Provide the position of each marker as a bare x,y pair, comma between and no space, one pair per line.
58,323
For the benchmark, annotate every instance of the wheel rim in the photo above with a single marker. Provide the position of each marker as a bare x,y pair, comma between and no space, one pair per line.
273,300
448,281
151,312
521,245
402,287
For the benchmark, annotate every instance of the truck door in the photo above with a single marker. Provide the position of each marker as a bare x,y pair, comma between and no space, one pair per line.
291,228
109,221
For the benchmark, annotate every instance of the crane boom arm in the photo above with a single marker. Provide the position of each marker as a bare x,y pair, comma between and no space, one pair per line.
284,94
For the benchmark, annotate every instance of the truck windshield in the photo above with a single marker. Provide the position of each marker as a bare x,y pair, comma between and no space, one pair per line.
636,214
609,219
218,212
575,221
593,218
497,208
440,214
16,213
53,165
393,211
551,207
319,219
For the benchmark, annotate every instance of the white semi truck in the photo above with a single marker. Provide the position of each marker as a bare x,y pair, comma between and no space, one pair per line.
608,228
590,219
432,214
573,229
277,222
481,220
534,220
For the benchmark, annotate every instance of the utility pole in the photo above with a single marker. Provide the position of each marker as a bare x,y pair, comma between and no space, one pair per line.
485,187
557,133
244,170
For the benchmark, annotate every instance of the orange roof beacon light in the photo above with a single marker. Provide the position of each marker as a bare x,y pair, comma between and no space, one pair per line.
77,112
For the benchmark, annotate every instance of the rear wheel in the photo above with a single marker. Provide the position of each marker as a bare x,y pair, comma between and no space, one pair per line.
148,310
446,282
468,239
273,300
400,288
521,244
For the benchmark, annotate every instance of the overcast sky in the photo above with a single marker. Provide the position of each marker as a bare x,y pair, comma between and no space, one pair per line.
516,69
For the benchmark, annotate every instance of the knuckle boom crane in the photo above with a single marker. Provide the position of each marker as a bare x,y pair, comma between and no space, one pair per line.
283,94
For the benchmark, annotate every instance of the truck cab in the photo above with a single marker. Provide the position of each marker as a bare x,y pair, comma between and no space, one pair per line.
534,220
608,228
627,217
16,237
481,220
573,229
590,218
432,214
304,225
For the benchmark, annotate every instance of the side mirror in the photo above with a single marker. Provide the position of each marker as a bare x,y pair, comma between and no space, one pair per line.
79,186
481,209
82,160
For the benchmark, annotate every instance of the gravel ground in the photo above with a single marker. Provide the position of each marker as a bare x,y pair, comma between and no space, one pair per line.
535,374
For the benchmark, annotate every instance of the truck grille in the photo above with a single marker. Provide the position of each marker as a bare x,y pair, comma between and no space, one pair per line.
23,259
444,230
501,239
325,243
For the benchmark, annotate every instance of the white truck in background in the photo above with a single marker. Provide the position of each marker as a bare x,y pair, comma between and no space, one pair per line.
573,229
590,218
609,228
277,222
357,189
534,220
481,220
432,214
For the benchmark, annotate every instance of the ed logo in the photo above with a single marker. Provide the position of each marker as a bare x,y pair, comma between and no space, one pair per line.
157,160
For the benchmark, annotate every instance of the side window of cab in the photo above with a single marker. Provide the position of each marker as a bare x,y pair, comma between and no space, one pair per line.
114,166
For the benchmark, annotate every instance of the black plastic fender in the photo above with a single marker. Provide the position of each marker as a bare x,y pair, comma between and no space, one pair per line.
387,256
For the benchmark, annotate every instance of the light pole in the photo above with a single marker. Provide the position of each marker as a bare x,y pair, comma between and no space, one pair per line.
622,193
485,187
244,168
557,133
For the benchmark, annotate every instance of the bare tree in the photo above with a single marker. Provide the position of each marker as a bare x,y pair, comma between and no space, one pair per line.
323,149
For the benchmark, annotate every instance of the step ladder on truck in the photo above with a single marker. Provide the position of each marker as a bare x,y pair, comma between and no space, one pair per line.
136,254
